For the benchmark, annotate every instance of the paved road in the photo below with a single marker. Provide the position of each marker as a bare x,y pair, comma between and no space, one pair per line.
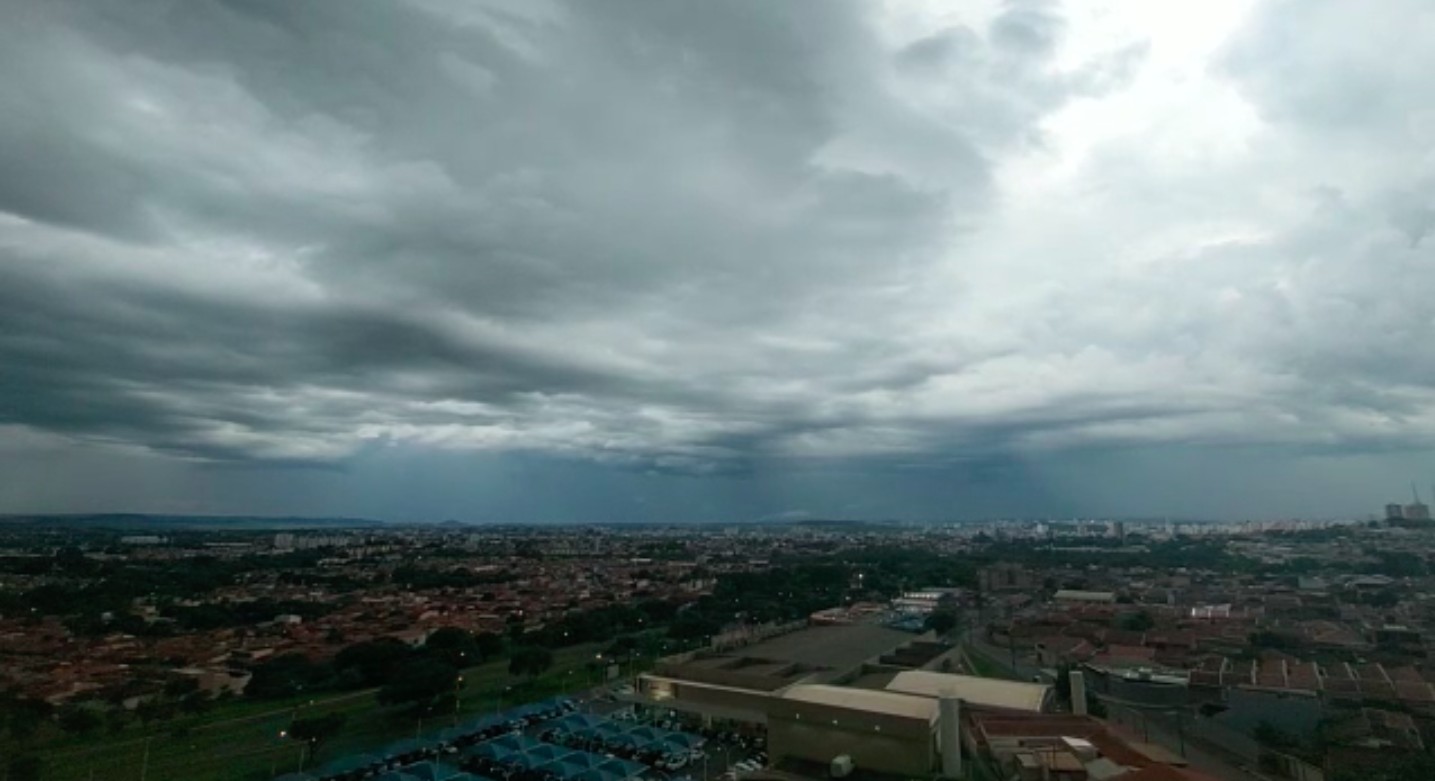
1154,728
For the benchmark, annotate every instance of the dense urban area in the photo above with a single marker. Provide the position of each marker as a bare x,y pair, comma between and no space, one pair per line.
153,648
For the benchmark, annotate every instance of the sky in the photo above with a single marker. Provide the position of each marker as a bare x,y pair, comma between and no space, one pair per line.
651,260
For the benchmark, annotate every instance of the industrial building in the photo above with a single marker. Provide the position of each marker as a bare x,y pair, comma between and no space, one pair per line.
863,691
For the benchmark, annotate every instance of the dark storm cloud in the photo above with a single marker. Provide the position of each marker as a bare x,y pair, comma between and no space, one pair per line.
697,238
637,183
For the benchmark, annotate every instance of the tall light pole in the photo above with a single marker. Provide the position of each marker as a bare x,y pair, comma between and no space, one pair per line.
144,763
457,688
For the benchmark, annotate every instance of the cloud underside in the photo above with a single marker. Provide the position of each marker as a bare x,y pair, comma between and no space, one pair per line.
690,235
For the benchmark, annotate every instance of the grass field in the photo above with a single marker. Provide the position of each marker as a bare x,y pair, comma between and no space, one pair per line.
239,740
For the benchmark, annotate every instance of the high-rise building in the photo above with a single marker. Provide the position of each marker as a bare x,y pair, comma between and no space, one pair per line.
1416,510
1394,512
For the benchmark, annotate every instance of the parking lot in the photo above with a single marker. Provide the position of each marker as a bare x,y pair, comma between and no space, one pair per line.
597,730
726,753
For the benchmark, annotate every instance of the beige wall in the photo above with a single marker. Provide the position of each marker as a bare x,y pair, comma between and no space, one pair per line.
818,742
886,743
737,704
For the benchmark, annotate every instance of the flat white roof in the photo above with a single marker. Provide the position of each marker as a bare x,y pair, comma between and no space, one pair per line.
1086,596
991,692
870,700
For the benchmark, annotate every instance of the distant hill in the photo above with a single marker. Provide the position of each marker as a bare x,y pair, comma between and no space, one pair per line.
146,522
839,525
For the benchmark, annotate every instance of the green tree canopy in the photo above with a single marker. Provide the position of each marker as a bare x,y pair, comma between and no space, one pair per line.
374,661
79,720
317,729
1139,621
941,621
531,661
489,645
285,676
424,683
454,645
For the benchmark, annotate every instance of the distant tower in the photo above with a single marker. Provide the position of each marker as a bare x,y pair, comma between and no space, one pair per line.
1416,510
1394,512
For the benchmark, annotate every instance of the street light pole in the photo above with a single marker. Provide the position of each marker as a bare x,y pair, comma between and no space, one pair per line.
457,688
144,763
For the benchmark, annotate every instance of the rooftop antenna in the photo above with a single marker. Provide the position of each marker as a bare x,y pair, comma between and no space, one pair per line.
1415,492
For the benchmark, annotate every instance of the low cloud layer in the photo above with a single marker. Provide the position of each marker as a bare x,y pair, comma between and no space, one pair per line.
720,240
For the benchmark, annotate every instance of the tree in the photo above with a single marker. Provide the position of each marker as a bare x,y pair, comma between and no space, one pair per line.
489,644
454,645
318,729
26,716
374,661
285,676
424,683
177,688
195,702
691,625
1140,621
621,647
531,661
941,621
24,767
79,720
153,709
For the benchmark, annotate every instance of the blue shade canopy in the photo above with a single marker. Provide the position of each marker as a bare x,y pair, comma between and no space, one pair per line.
622,768
407,746
431,771
348,764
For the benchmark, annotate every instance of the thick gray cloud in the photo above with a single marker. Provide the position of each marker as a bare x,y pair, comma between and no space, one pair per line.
755,249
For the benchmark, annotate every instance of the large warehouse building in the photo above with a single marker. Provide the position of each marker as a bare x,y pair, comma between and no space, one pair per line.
864,691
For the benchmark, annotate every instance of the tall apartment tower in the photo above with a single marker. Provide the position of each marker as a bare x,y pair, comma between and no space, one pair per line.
1416,510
